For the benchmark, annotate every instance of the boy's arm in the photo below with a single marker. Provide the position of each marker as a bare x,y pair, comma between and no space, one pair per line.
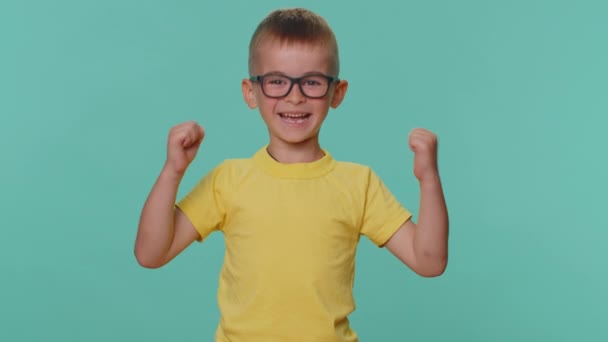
164,231
424,246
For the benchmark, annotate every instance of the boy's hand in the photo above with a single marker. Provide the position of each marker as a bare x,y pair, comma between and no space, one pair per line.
424,145
182,146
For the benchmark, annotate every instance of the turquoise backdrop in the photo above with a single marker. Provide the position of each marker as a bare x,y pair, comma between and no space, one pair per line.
515,90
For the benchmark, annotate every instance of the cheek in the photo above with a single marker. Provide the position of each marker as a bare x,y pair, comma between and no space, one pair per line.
272,106
322,106
267,106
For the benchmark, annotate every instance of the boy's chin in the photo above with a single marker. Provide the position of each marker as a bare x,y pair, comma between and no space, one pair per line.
297,140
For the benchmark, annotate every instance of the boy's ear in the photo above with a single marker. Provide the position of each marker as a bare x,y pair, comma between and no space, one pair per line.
338,94
248,94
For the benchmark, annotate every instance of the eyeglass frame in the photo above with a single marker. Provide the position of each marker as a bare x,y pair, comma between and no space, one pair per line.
260,79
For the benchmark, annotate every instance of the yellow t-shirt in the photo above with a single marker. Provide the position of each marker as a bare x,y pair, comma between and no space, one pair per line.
291,232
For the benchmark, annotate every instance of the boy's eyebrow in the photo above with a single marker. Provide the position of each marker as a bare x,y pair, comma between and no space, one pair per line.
304,74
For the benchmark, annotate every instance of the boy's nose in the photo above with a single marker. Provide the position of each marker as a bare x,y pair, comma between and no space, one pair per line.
295,95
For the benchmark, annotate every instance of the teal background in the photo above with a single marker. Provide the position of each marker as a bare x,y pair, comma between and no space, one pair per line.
515,90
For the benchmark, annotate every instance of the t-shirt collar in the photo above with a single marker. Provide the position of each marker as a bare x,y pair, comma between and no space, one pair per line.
277,169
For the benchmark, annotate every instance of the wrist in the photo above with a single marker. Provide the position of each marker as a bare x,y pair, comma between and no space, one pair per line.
431,178
170,174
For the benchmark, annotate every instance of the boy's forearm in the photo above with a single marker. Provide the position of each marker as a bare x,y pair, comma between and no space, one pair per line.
156,224
431,237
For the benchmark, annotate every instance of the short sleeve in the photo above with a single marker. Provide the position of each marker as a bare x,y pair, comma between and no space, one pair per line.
203,204
383,215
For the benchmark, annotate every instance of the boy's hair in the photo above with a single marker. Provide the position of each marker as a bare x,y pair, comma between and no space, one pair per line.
295,25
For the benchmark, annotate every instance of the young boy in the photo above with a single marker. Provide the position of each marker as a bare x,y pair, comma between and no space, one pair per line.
291,215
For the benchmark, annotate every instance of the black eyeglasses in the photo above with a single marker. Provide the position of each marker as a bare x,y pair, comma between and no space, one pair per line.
314,86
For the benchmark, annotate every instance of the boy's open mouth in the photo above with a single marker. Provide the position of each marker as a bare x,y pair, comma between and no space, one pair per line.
294,118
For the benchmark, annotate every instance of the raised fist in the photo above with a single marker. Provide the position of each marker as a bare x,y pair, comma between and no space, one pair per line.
182,145
424,145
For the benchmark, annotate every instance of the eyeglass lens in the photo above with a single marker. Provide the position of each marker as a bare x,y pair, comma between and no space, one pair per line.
311,86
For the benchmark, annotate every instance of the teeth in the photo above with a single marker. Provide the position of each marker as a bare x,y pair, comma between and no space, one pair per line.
294,115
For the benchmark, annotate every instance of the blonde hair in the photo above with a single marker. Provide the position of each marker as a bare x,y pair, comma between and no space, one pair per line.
295,25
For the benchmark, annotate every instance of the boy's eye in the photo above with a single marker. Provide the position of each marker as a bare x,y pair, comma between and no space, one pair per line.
276,81
313,82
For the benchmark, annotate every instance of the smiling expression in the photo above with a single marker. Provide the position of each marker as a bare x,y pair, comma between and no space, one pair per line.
293,119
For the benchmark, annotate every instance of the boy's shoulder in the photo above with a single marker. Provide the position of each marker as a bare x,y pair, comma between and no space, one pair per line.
249,162
235,164
238,167
351,166
356,174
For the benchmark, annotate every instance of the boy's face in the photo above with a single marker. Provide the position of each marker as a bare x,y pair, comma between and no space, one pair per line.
294,118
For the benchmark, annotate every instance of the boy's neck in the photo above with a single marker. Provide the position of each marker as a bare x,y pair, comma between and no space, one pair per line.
301,153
